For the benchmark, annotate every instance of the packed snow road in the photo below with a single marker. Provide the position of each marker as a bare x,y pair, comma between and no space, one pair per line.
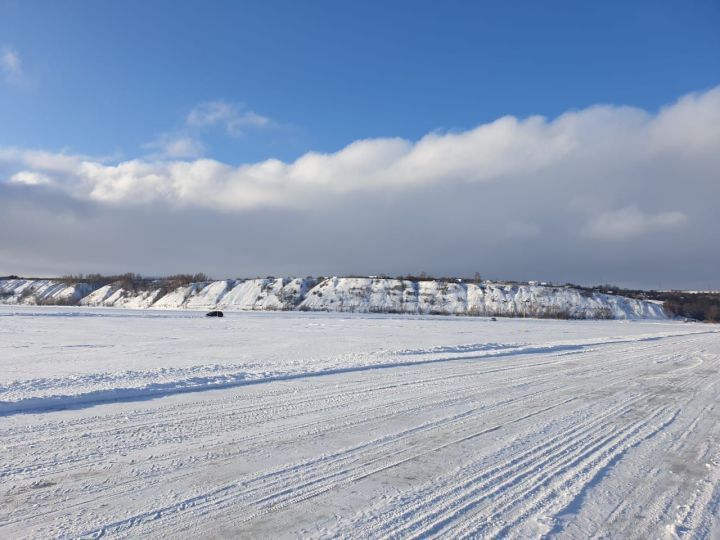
363,427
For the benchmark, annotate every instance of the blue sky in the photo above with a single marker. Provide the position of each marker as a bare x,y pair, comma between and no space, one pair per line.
558,140
108,77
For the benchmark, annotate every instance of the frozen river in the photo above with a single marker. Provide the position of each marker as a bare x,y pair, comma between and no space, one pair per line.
130,423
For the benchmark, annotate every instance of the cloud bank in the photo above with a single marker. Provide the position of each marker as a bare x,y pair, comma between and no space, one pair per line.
602,192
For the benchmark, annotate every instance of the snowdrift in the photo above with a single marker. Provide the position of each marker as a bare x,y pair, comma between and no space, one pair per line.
359,295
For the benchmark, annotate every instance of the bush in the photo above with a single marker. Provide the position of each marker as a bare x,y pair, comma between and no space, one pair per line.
702,307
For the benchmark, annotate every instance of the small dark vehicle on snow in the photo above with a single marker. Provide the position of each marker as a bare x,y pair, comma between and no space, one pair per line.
215,313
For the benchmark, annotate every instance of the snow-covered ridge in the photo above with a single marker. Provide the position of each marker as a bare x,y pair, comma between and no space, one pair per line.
360,295
42,292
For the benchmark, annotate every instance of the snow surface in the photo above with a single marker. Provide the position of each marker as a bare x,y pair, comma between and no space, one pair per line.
128,423
359,295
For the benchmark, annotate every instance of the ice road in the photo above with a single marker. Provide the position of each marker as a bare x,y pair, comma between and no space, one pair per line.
167,424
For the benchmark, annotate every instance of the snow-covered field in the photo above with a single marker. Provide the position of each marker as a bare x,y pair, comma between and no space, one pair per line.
170,424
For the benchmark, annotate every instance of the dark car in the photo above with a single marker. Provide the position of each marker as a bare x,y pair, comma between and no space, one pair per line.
215,313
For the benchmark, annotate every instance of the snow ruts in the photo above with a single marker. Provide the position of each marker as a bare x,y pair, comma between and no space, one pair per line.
546,443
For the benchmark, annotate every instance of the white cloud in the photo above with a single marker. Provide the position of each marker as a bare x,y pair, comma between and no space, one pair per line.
30,178
58,162
233,117
610,155
629,223
11,65
690,126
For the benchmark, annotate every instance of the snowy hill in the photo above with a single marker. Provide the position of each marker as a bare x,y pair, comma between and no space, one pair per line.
484,299
361,295
42,292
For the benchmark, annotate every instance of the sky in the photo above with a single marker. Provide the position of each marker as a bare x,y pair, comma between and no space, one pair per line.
561,141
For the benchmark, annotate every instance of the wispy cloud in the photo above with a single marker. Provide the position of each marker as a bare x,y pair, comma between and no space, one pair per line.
234,117
11,66
179,146
187,143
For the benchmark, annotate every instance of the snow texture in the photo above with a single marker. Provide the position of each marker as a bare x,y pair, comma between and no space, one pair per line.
166,424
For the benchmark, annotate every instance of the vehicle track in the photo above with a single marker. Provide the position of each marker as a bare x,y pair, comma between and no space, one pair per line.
477,447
